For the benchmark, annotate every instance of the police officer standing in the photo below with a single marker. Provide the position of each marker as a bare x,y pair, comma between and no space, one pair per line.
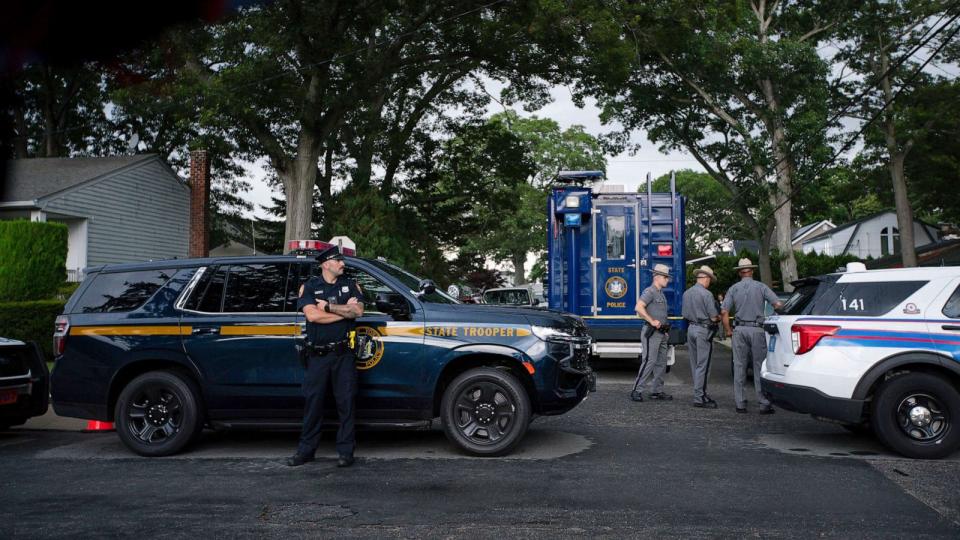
331,303
700,312
746,299
652,307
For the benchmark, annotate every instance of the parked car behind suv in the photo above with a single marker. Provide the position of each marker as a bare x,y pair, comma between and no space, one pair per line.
877,348
164,348
24,382
510,296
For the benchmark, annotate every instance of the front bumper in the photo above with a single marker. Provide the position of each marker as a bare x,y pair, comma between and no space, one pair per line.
803,399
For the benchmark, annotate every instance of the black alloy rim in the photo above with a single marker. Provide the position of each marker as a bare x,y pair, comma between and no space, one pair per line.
485,413
922,418
155,414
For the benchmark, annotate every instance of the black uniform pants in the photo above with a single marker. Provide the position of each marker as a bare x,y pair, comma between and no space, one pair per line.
339,369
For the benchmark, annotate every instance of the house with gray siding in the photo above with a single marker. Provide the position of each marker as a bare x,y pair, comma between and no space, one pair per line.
873,236
117,209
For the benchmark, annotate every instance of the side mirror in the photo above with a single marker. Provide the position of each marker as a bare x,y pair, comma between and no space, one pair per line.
536,302
427,286
393,304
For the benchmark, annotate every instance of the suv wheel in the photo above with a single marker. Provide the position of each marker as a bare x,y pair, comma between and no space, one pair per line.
916,415
485,411
158,413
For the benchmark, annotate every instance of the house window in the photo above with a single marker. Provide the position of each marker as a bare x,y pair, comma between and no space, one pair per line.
889,241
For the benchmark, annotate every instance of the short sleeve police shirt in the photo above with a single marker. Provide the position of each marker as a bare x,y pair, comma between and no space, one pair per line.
746,299
339,292
656,303
698,304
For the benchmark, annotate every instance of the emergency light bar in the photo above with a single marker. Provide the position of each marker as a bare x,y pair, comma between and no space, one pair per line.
316,245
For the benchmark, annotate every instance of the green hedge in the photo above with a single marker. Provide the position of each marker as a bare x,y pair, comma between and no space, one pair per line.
33,258
31,321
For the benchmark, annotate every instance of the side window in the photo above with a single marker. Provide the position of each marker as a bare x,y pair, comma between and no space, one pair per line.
952,307
616,237
256,288
208,293
370,286
121,291
870,299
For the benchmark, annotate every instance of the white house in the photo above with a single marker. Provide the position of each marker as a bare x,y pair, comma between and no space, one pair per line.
871,236
811,230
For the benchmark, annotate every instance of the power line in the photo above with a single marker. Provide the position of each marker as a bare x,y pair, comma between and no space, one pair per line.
855,100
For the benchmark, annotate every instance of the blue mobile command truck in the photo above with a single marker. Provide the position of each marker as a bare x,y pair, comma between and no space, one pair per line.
602,244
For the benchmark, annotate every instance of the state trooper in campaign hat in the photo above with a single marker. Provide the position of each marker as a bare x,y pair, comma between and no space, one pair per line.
652,308
702,316
745,298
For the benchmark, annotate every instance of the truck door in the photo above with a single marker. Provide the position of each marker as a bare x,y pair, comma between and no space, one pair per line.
615,277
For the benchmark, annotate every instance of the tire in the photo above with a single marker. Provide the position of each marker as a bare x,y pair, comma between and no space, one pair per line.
158,413
485,411
916,415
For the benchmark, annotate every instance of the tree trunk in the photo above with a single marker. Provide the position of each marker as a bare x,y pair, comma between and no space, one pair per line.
20,140
908,250
298,182
783,207
897,156
519,278
766,271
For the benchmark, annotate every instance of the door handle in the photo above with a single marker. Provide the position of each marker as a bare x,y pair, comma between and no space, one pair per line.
632,265
205,330
953,327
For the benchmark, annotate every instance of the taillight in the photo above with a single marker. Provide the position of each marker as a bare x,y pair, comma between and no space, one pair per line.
61,329
806,336
665,250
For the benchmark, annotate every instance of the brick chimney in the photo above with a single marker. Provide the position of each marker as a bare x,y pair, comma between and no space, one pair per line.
199,203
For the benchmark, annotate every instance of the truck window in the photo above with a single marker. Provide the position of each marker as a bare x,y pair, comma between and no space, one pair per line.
121,291
616,237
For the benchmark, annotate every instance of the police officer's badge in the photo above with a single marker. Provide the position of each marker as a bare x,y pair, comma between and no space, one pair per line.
616,287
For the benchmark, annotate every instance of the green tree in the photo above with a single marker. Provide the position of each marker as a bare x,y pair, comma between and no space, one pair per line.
708,206
738,85
510,233
878,42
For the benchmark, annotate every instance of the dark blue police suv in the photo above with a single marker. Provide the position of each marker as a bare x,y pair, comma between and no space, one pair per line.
167,347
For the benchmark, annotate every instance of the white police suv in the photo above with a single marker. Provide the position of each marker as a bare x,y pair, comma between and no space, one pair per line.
878,348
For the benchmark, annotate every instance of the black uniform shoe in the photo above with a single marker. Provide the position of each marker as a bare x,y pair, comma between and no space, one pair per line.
741,409
636,396
345,461
660,396
767,410
705,404
298,460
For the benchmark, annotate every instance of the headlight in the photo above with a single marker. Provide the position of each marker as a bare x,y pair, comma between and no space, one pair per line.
549,333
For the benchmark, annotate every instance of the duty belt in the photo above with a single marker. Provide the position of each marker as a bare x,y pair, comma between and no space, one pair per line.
696,323
325,348
748,323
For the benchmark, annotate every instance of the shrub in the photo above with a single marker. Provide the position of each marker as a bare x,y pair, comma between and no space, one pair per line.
31,321
33,258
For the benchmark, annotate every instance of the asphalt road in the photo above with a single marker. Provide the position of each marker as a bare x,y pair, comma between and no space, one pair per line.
610,468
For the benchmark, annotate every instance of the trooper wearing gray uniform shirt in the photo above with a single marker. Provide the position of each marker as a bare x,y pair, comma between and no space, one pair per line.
652,307
746,299
700,312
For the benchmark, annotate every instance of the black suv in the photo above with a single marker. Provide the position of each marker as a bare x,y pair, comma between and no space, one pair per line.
24,382
164,348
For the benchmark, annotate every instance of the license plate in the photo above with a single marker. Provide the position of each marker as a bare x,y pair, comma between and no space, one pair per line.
772,346
8,396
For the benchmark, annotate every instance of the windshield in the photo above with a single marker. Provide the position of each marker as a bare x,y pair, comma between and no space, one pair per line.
512,297
413,283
